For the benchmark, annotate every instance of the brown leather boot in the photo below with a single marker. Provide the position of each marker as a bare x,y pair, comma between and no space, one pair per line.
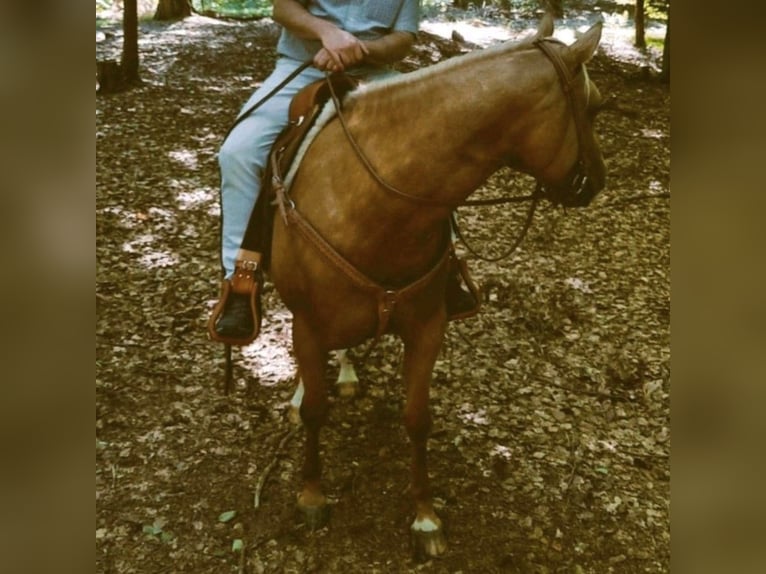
461,303
236,319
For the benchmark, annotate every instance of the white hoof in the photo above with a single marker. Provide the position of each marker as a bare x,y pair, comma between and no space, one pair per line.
347,390
428,539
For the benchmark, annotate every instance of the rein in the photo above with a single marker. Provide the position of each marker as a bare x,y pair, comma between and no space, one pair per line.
535,197
403,194
268,96
366,162
577,181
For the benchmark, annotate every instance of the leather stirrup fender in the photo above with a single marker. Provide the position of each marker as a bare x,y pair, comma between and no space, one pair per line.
459,266
247,280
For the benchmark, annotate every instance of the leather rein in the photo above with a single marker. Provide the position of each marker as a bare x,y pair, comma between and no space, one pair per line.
580,170
572,195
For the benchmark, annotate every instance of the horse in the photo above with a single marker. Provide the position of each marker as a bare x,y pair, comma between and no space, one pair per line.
361,246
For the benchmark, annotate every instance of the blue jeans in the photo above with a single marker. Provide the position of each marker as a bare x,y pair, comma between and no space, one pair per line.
243,156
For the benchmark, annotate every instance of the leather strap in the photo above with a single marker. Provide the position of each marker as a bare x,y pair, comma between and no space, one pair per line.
578,106
245,269
387,299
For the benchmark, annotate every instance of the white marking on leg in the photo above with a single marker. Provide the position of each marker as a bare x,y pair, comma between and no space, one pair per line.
347,374
294,410
297,399
347,382
425,525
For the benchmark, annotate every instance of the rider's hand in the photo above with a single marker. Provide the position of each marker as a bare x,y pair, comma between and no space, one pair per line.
324,62
340,50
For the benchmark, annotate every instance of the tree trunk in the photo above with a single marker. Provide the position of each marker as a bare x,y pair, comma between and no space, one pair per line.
665,73
639,18
173,9
109,75
129,62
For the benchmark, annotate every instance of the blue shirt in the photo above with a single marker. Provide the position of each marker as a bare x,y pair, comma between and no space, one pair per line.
365,20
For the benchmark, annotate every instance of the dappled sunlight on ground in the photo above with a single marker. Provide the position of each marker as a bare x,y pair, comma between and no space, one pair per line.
617,37
269,358
476,33
185,157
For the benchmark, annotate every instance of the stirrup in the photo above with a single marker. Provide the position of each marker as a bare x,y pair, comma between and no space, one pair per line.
460,267
247,280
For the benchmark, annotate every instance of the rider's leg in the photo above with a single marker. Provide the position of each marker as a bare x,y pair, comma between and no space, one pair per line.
242,160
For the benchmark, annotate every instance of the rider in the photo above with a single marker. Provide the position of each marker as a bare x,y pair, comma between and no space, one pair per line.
359,38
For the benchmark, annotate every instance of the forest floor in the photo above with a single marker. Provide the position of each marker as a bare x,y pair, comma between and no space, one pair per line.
550,450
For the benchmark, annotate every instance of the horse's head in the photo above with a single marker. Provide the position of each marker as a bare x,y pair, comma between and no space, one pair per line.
571,170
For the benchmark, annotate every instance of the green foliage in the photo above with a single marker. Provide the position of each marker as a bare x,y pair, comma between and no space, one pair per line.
155,530
658,9
110,10
658,43
234,8
230,8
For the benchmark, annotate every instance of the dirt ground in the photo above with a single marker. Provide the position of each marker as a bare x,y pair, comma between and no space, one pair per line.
550,450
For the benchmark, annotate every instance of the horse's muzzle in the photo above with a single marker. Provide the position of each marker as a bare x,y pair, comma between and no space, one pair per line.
581,188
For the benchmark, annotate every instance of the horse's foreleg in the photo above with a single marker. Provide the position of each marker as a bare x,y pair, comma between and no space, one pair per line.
347,382
420,352
311,360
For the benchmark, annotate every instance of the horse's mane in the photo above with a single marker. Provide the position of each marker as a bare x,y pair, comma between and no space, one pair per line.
398,81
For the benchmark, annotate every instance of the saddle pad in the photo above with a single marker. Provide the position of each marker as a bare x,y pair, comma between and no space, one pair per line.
328,112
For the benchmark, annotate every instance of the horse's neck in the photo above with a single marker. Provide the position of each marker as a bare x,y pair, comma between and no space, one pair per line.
443,131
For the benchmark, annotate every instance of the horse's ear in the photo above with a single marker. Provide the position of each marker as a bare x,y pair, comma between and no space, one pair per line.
545,27
585,46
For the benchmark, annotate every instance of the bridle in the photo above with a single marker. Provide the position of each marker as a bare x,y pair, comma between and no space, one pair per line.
576,192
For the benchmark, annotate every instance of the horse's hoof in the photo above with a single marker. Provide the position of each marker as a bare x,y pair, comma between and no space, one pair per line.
347,389
315,517
428,539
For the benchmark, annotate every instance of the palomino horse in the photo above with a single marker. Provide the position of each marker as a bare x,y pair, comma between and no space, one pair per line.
361,246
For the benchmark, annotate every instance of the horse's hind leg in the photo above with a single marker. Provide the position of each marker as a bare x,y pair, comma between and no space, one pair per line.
420,352
346,385
311,360
294,412
347,382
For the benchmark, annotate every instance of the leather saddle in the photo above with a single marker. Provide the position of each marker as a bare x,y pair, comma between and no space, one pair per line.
303,111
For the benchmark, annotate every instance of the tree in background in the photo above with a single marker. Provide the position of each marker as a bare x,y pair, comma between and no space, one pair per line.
665,73
173,9
662,6
129,62
113,76
638,14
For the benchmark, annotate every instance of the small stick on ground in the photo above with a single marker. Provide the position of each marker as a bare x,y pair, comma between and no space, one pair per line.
269,468
242,558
